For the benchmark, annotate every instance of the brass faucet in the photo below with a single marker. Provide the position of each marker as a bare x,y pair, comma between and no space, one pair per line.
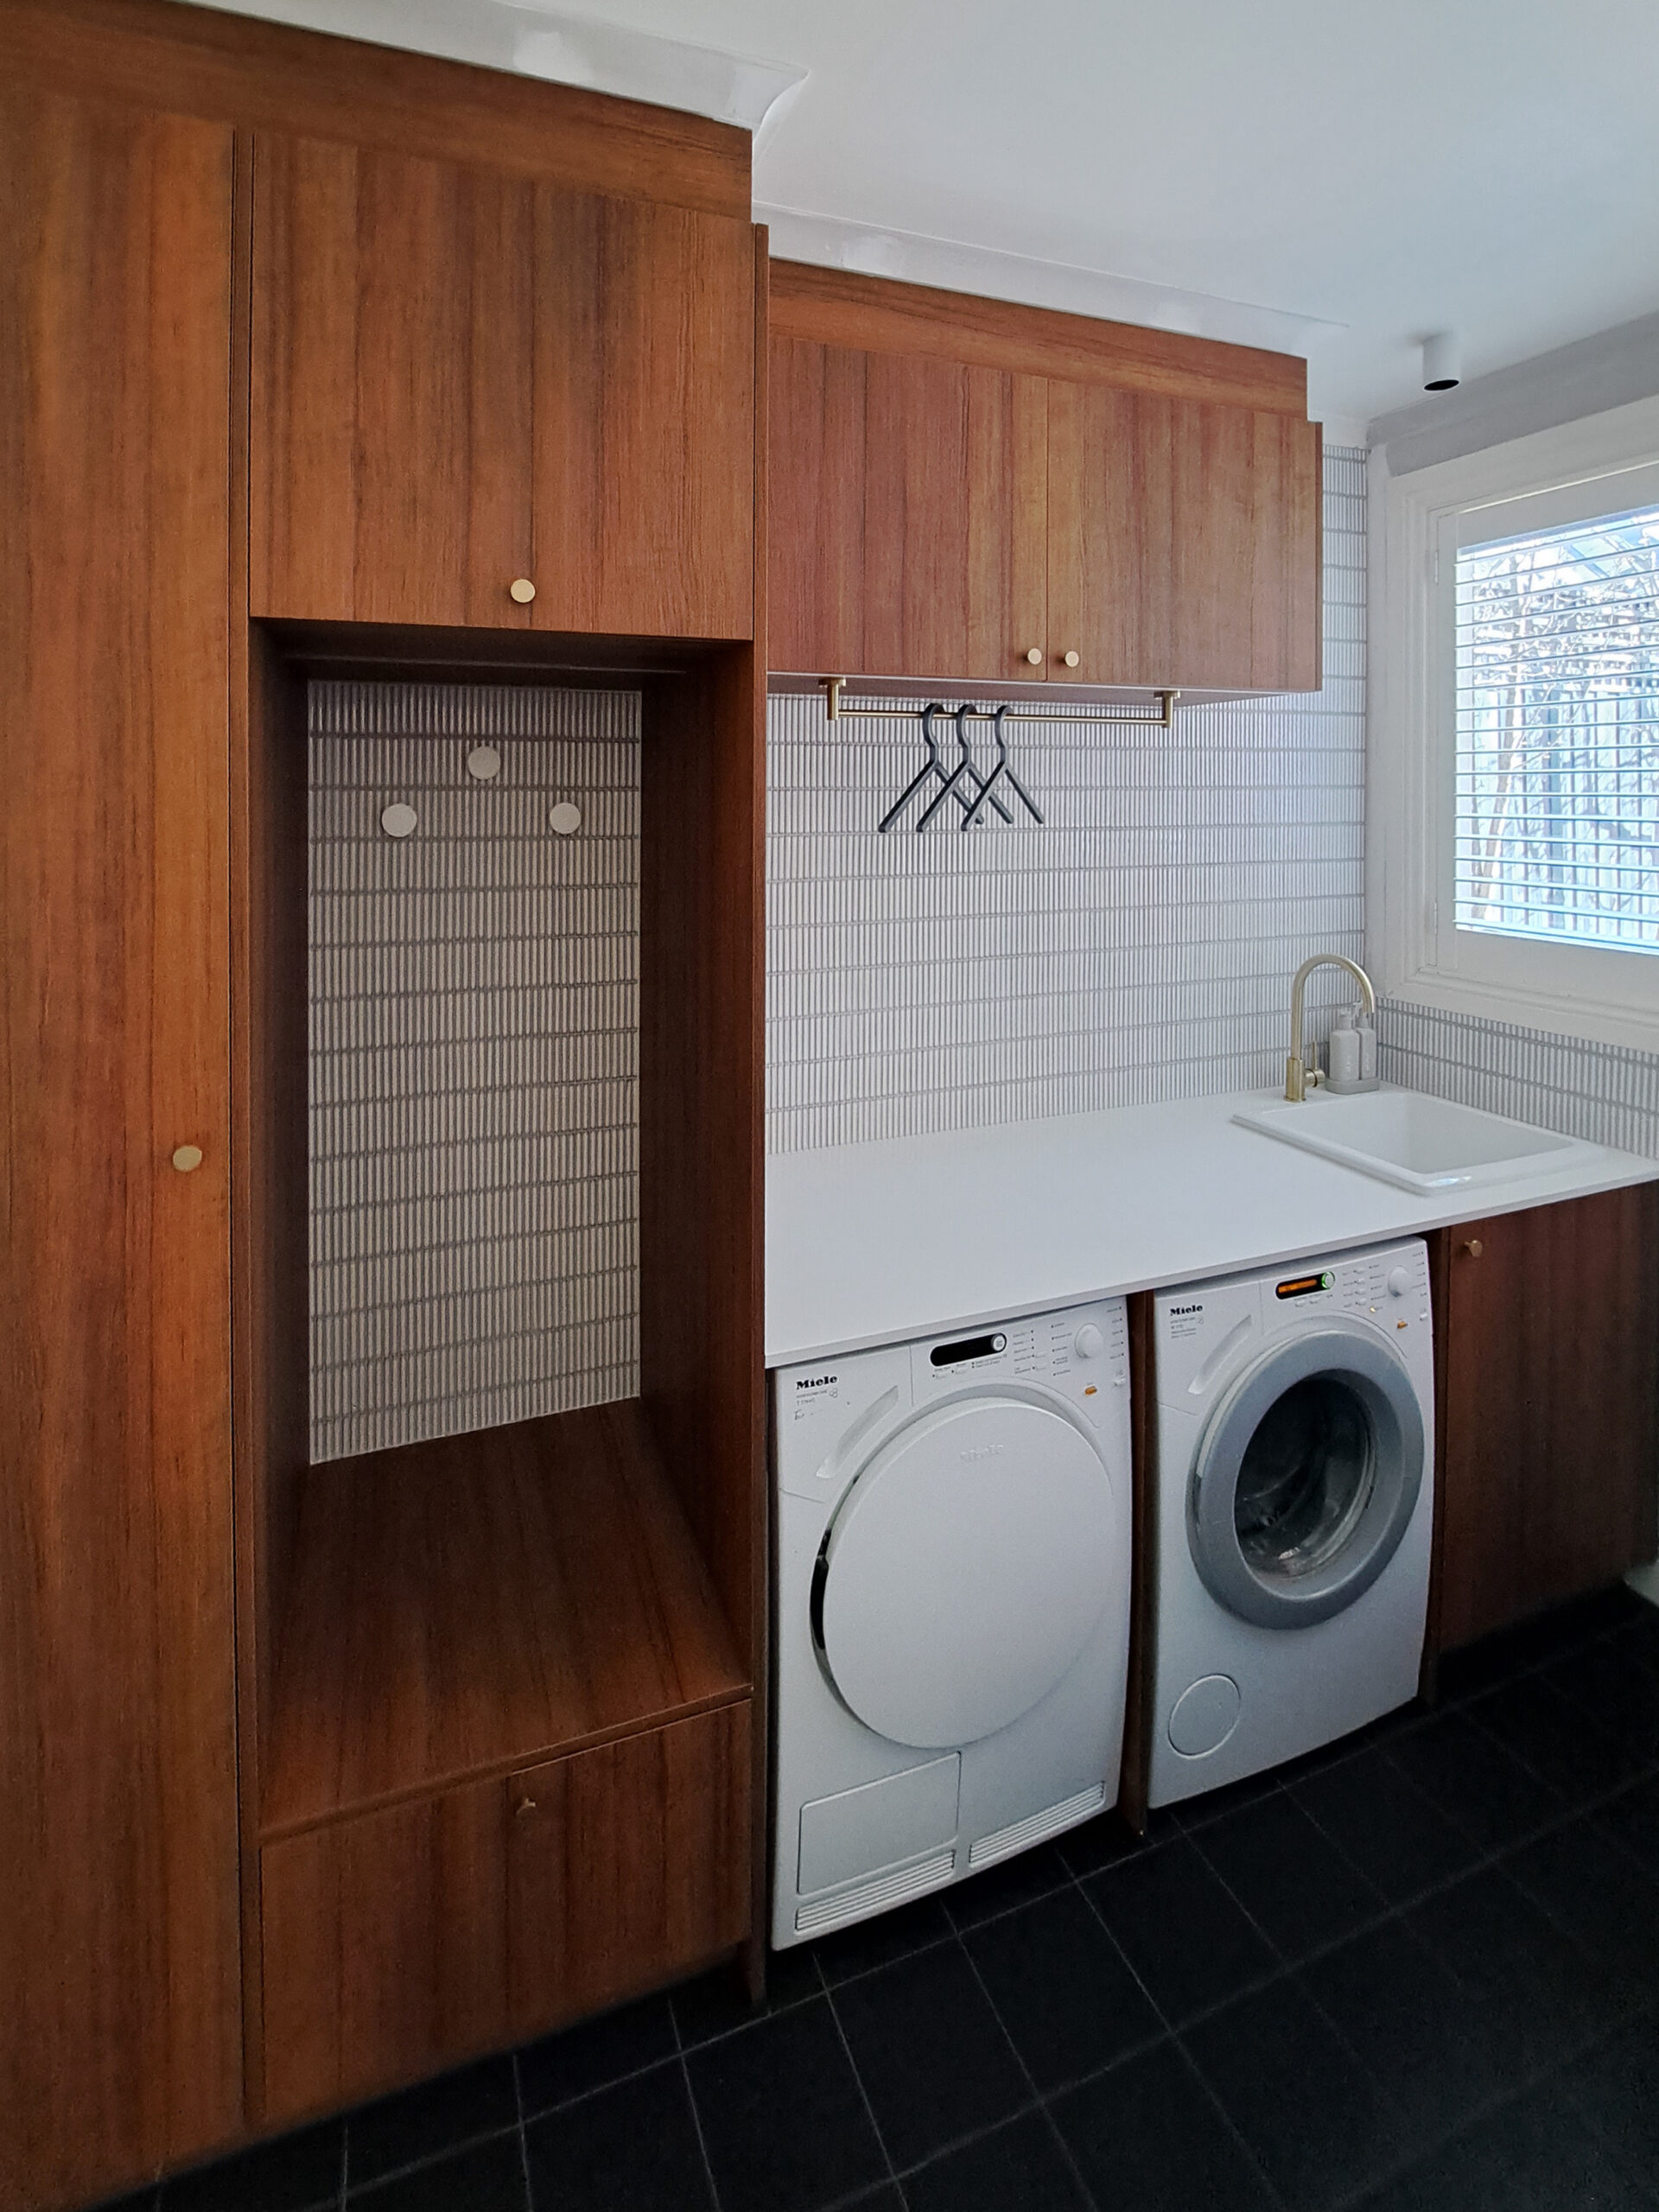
1299,1077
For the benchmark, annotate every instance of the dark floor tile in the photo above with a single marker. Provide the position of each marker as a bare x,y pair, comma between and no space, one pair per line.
1475,1780
878,1943
783,2116
289,2174
1016,2168
1288,1876
633,2148
1410,2023
1401,1843
485,2177
718,2002
137,2200
431,2118
1314,2117
1187,1938
595,2054
930,2052
1533,1643
887,2198
1633,1817
1534,1993
1535,2154
1597,1892
1107,1839
1027,1875
1615,1685
1639,1631
1149,2138
1061,1988
1616,2086
1212,1804
1557,1739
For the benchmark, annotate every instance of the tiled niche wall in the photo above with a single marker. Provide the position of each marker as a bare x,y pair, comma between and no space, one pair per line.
474,1059
1606,1094
1139,946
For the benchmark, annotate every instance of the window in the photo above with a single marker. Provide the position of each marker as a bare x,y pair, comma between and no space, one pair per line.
1557,722
1513,818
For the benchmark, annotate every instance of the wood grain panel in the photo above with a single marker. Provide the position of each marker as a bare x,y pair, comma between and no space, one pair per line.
818,472
391,387
1549,1460
833,306
264,75
386,1948
644,373
627,1867
119,2032
464,1605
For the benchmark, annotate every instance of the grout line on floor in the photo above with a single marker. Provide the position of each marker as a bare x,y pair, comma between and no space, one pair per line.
691,2098
864,2094
524,2145
1052,2125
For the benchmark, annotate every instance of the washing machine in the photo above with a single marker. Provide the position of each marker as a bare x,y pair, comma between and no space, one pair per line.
1294,1483
951,1607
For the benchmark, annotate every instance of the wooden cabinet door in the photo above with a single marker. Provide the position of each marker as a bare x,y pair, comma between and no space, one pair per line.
908,516
1549,1449
462,378
627,1866
384,1947
1184,542
643,429
120,2042
391,387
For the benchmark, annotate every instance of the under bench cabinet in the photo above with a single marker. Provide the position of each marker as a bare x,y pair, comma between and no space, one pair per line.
1547,1382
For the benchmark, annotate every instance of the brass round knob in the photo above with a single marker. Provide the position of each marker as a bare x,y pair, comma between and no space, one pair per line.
1474,1248
188,1158
522,590
1071,660
1035,655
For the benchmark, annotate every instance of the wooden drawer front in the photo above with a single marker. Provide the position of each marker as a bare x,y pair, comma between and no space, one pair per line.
627,1866
384,1947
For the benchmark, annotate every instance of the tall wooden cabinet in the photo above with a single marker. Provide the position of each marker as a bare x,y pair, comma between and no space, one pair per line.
120,2043
967,491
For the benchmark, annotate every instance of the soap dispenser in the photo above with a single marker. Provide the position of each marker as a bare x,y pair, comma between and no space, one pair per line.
1344,1053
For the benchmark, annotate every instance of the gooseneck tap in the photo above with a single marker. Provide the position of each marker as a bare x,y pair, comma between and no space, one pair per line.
1299,1079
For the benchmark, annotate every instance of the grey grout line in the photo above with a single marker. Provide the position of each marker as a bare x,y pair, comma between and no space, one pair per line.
524,2145
691,2098
864,2096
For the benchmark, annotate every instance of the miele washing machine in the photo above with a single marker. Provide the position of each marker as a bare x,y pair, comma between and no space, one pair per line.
1294,1485
951,1585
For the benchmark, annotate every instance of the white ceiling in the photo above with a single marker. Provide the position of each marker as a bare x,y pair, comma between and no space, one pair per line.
1487,166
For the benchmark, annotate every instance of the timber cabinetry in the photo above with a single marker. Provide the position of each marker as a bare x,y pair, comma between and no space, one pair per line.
1547,1374
120,2032
466,379
966,490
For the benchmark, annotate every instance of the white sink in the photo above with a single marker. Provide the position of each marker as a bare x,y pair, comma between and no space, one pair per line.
1407,1138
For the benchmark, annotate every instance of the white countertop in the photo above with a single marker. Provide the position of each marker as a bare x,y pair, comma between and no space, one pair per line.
873,1243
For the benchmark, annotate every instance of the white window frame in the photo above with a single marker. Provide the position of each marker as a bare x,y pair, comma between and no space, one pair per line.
1413,949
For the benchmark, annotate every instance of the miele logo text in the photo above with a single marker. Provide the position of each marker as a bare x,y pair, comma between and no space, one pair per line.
814,1382
983,1451
1199,1308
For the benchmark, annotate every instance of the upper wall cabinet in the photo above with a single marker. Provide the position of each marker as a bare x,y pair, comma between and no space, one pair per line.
963,489
465,381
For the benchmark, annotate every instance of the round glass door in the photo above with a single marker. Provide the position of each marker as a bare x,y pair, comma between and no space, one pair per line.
1307,1478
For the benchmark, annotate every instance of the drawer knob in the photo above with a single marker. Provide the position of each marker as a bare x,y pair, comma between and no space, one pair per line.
1035,655
522,590
525,1806
1071,660
1474,1248
187,1158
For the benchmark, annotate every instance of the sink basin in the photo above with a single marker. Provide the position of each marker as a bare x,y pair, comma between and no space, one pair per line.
1419,1143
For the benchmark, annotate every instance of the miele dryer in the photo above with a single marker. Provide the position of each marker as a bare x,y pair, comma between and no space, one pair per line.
1295,1506
951,1614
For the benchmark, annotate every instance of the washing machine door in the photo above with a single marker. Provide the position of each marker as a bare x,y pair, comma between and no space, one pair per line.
1307,1478
964,1571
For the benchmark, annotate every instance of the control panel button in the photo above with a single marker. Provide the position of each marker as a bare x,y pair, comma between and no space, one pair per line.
1088,1341
1399,1281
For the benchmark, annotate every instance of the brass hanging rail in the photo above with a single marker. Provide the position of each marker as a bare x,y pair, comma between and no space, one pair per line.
836,709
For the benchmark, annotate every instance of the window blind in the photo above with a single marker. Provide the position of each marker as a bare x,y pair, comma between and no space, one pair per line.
1557,773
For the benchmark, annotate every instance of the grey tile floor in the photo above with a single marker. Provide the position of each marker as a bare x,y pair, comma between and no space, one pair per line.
1419,1971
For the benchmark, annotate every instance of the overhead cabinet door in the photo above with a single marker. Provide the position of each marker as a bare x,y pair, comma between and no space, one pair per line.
120,2041
466,382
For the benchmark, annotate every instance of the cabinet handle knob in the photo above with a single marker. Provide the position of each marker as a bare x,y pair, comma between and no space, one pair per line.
1071,660
1474,1248
1035,655
188,1158
525,1805
522,590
